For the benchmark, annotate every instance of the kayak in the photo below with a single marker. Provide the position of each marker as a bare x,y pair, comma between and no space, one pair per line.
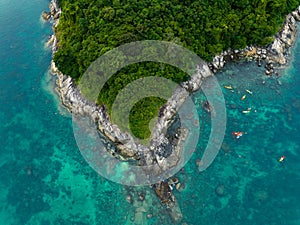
228,87
243,97
250,92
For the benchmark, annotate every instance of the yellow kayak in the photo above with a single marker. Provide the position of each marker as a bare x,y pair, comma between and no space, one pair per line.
228,87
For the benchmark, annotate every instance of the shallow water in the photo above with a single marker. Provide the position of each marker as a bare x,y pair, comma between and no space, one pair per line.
44,179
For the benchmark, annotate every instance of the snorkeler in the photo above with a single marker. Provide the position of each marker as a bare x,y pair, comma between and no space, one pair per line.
281,159
238,134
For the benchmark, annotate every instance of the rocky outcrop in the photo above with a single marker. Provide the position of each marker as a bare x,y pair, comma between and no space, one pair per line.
179,96
207,106
55,10
46,15
164,193
54,13
274,55
284,40
50,41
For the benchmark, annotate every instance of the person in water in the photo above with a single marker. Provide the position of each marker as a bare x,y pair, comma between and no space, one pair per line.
237,134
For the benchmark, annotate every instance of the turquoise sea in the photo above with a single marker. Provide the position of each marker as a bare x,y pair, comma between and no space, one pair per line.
44,179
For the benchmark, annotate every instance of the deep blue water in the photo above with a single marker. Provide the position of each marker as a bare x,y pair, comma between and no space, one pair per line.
44,179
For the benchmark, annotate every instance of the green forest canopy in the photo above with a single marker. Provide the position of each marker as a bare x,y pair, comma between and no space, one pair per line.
89,28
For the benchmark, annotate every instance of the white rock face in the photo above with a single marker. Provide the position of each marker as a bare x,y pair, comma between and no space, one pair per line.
285,39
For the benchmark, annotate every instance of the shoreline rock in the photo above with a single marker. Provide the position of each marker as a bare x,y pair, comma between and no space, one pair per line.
54,13
50,41
46,15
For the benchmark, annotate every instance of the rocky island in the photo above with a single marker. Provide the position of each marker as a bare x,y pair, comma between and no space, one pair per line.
272,56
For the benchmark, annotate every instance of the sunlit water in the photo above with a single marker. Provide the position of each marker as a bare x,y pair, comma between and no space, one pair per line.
44,179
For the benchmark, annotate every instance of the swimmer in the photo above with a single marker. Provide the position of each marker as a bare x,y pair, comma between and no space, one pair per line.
238,134
282,158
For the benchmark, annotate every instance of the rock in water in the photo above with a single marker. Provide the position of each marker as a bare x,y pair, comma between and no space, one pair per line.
141,196
129,199
163,192
46,16
207,106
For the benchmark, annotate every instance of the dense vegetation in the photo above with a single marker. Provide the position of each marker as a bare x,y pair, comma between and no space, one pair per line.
89,28
144,110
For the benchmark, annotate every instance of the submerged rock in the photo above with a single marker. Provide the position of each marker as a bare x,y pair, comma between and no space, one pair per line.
261,195
129,199
225,147
141,196
220,190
